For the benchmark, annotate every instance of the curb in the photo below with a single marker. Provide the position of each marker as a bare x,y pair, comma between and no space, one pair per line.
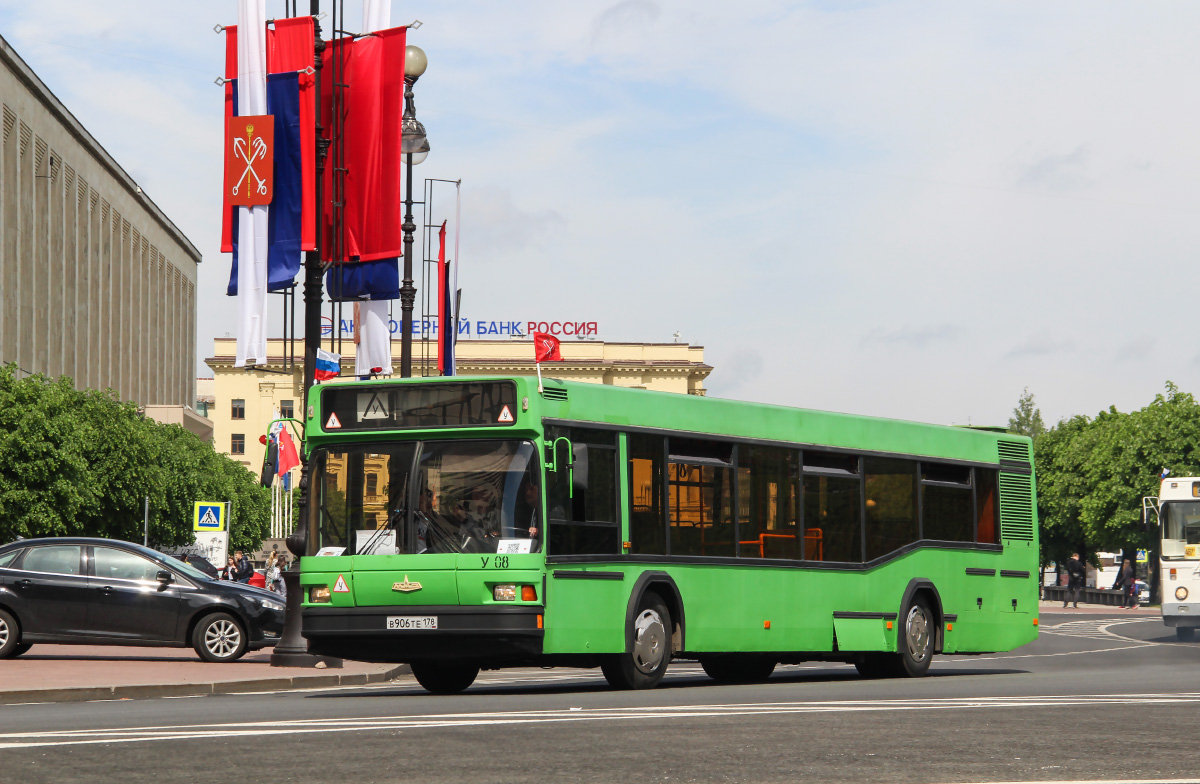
151,691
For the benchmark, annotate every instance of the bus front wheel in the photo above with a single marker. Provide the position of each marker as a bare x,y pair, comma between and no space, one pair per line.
443,678
648,648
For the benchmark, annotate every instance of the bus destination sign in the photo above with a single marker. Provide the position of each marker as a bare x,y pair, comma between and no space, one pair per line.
419,406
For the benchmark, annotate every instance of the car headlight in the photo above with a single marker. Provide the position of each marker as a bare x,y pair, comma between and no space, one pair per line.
1181,593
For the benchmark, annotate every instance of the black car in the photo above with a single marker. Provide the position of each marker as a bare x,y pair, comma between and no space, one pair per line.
105,592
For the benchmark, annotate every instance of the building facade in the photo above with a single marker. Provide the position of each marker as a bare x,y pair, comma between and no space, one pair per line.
96,283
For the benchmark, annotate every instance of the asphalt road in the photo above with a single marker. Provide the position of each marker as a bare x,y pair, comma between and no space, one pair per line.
1101,697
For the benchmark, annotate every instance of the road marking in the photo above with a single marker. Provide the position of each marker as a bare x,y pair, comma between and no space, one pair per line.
1097,630
23,740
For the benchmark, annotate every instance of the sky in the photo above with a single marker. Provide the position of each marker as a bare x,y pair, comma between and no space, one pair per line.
905,209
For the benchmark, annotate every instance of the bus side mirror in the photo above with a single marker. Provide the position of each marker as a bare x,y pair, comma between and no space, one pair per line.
1150,506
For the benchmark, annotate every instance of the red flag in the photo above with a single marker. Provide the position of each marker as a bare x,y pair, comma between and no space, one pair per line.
288,458
373,107
443,316
546,348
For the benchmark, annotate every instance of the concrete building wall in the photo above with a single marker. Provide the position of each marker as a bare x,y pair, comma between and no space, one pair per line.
96,282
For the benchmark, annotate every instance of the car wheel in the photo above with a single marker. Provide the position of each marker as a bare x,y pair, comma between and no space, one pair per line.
10,636
1184,633
914,642
219,638
738,668
442,678
648,640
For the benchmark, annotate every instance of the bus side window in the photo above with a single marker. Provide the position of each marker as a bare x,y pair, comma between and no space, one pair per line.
832,520
767,509
987,532
946,513
891,504
647,524
582,503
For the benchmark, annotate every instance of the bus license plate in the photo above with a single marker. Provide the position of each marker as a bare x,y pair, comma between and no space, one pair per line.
411,622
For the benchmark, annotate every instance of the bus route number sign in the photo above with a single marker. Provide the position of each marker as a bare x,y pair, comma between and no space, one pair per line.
412,622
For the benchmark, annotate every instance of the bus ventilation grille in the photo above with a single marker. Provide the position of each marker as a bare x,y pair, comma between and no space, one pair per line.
1016,507
1015,451
551,393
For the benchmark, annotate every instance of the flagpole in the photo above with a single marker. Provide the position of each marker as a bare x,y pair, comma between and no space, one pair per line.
539,370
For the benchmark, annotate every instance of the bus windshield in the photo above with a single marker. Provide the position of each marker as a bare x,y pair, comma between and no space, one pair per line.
1181,527
429,497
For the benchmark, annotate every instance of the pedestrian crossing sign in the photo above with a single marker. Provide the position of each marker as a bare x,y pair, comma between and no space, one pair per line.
208,516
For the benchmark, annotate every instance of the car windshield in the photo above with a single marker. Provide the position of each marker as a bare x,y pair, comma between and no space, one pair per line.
432,497
1181,529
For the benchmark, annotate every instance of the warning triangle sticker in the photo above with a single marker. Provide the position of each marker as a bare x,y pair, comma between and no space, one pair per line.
333,422
340,586
505,415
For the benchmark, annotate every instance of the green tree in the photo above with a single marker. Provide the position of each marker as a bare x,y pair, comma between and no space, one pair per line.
1026,419
81,463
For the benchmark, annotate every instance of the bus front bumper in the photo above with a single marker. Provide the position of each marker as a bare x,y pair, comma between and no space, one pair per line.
504,634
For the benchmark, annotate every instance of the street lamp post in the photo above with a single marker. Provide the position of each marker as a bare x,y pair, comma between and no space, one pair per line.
414,149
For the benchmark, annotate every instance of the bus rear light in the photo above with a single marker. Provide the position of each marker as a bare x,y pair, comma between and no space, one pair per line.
1181,593
504,593
528,593
318,594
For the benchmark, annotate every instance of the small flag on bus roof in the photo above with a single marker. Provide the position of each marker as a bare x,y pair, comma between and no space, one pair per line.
329,365
546,348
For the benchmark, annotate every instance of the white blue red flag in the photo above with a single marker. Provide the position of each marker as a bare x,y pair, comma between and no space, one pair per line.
329,365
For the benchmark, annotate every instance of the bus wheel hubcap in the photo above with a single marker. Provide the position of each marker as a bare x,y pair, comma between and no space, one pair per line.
916,633
649,641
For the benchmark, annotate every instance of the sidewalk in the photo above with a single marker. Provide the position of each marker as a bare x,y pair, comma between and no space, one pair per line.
78,673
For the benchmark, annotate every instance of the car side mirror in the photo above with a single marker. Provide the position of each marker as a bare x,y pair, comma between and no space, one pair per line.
165,577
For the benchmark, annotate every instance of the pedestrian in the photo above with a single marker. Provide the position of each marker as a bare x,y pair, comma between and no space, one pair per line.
230,570
271,571
1076,574
244,570
281,564
1127,582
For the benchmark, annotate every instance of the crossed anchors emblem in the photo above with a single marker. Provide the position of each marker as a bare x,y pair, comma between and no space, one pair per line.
250,149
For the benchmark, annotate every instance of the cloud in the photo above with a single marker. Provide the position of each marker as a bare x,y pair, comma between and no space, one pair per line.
910,337
618,18
1057,171
1040,346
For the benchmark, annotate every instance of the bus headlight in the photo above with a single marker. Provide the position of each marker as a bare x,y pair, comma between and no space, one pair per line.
318,594
1181,593
504,593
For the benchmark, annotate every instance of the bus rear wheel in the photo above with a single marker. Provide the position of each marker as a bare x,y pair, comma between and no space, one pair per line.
738,668
914,641
1184,633
648,648
444,678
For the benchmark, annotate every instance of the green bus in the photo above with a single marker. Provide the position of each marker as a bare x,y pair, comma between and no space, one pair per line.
480,523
